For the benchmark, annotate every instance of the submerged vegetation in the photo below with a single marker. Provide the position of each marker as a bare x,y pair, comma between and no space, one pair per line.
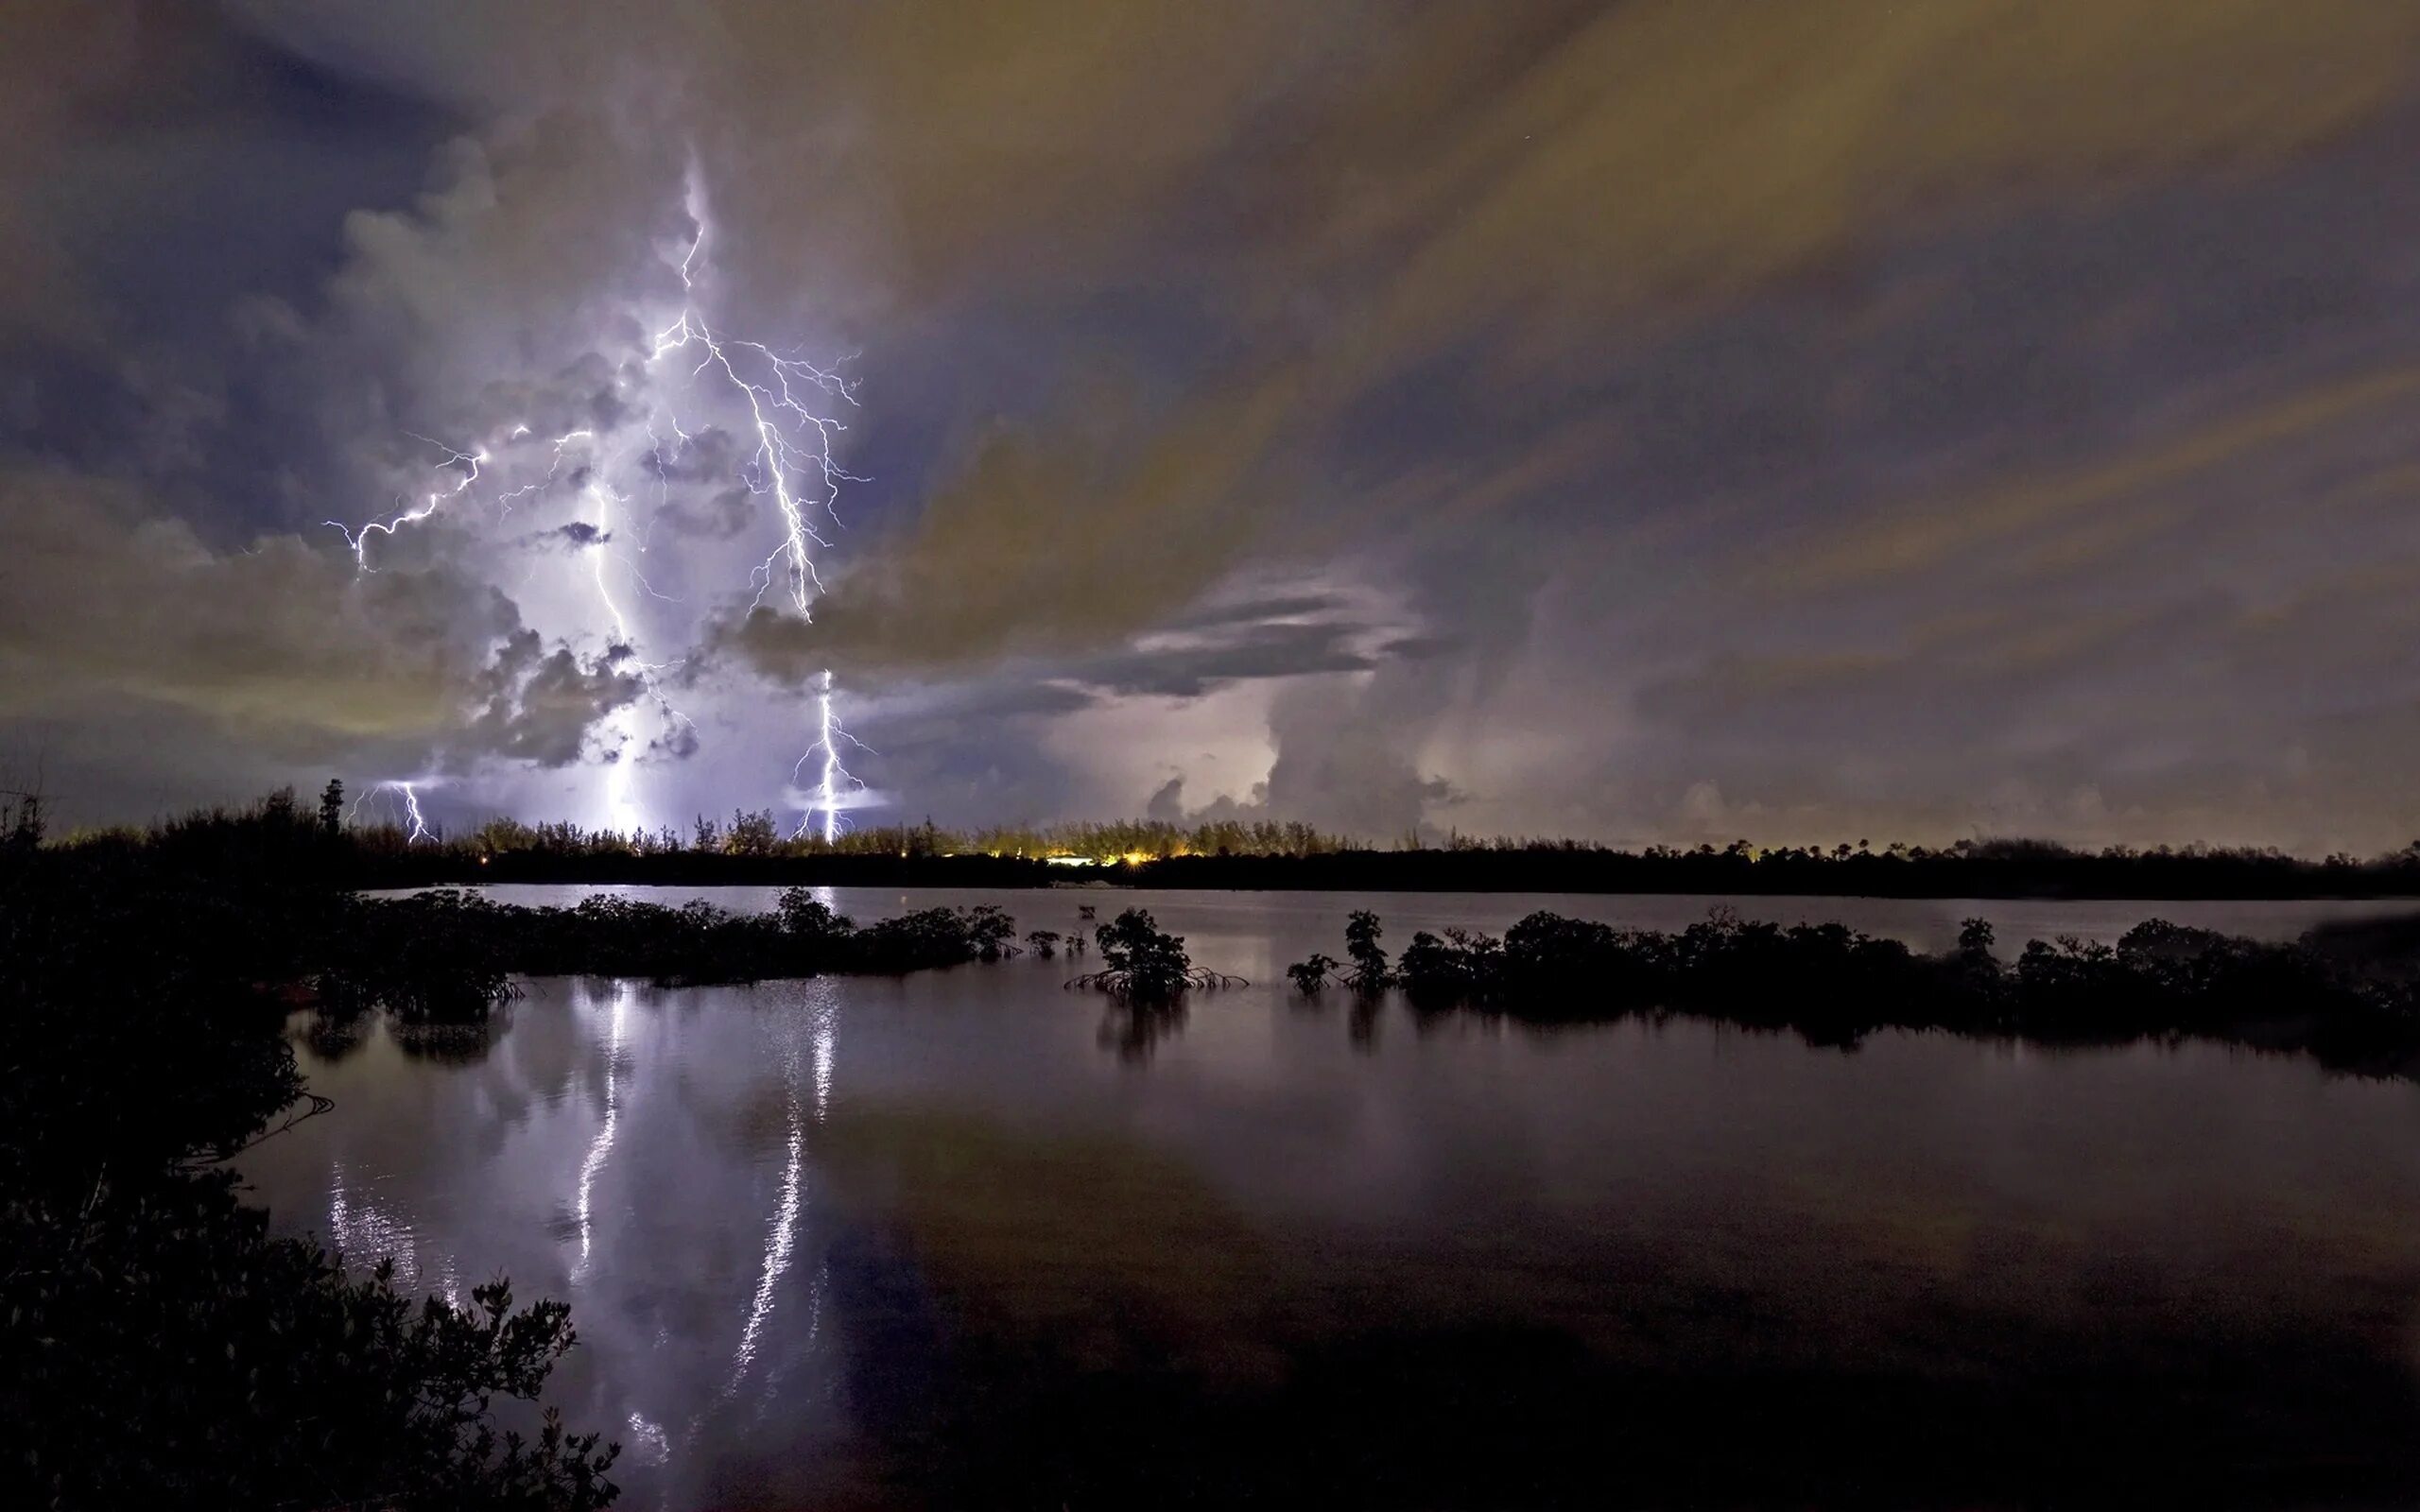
2353,1009
413,950
1141,963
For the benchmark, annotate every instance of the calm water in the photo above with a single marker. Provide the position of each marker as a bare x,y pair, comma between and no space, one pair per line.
966,1238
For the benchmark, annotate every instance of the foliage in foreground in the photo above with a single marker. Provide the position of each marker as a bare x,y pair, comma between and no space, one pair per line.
157,1347
1835,985
165,1351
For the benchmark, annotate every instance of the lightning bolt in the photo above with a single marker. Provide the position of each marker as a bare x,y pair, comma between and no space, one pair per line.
417,828
793,442
836,782
360,540
791,406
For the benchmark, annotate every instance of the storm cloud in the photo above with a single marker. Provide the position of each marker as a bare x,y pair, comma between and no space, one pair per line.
1660,418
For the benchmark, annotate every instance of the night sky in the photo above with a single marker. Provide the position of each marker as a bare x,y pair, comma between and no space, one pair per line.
1672,420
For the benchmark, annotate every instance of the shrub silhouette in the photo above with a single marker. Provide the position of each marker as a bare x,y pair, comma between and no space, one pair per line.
1834,985
1145,963
1140,964
1310,975
1361,934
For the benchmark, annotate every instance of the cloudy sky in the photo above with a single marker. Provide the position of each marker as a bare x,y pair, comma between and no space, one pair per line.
1656,420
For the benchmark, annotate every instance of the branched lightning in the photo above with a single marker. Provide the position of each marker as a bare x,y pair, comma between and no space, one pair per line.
416,827
793,442
360,540
505,501
787,399
835,779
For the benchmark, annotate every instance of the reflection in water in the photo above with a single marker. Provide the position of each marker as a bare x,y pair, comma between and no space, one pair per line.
1334,1248
781,1236
364,1232
334,1036
1361,1021
1133,1030
453,1044
823,1017
361,1233
603,1144
649,1445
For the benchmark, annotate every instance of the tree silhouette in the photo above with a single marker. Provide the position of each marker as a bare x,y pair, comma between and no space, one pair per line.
1361,936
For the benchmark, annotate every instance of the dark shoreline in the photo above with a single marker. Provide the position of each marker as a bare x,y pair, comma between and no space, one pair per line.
2149,879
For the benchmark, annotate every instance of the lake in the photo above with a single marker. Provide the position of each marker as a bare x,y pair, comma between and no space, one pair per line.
967,1238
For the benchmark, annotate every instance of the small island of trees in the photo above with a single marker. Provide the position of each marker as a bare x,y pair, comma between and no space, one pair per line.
2335,995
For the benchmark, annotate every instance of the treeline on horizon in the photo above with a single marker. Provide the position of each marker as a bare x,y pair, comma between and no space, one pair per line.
751,847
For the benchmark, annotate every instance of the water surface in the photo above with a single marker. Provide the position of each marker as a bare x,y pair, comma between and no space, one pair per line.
966,1238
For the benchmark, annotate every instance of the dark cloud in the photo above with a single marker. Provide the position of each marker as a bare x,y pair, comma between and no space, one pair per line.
1256,652
124,619
1058,544
104,600
103,113
1254,638
1166,802
1536,186
579,533
539,706
1260,608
